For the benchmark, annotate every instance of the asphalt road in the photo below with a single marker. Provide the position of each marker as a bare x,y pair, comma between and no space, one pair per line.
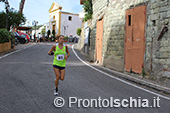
27,84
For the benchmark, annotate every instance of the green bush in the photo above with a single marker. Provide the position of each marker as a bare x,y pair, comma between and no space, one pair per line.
88,8
79,31
4,35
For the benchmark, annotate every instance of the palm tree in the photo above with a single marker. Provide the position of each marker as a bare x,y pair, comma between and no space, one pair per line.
6,7
21,6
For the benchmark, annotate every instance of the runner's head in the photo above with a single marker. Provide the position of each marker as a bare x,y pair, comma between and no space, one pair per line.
60,38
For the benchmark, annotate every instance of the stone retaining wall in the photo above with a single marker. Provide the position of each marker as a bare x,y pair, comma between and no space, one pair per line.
113,13
5,46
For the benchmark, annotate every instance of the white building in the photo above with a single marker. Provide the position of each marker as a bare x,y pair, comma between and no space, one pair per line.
64,23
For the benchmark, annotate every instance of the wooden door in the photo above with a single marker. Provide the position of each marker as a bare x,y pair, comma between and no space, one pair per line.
135,39
99,41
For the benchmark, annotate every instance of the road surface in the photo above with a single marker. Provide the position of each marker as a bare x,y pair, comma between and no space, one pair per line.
27,85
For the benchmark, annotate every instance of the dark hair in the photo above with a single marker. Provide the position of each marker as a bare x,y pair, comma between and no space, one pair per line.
58,36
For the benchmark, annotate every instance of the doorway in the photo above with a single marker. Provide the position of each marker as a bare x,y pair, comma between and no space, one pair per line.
99,40
135,39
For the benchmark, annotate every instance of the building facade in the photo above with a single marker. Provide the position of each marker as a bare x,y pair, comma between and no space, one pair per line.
64,23
132,36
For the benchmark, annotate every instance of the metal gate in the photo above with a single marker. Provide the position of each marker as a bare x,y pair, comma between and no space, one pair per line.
99,41
135,39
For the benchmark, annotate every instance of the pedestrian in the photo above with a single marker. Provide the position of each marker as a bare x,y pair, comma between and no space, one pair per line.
61,54
34,37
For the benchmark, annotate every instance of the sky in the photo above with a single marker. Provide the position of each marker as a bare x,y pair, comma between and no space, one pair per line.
38,9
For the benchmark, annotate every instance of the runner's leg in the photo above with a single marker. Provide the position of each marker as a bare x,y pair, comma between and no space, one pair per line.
62,75
57,74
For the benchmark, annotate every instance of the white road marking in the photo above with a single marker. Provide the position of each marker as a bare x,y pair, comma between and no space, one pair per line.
118,78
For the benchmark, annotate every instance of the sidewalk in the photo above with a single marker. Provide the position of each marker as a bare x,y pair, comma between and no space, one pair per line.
19,46
130,77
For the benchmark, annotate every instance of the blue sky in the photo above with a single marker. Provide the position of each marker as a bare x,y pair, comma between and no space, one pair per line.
38,9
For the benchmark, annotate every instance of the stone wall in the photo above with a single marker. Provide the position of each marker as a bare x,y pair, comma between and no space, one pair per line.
158,14
81,39
113,12
5,46
81,42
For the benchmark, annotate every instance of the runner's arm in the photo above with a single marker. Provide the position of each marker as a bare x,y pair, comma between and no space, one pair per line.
68,53
52,49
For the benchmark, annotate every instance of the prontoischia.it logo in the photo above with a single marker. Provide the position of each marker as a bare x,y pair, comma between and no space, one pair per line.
110,102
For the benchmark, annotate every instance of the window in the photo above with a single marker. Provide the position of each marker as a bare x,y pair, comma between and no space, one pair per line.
154,22
70,18
129,17
53,18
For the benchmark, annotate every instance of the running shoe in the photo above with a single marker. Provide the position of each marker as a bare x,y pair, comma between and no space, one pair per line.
56,91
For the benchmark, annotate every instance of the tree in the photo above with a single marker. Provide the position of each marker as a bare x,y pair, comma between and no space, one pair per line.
43,31
2,0
88,7
14,18
53,32
48,33
37,27
6,7
2,20
79,31
10,14
21,6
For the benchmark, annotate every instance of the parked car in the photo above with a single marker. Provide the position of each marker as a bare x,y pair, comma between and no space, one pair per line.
24,35
21,39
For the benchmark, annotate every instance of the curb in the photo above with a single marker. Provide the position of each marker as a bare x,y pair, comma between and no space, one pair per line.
138,81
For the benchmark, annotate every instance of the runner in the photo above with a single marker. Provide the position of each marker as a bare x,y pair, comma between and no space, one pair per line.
59,50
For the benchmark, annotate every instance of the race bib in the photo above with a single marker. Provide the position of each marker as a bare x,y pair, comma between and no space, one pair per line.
60,57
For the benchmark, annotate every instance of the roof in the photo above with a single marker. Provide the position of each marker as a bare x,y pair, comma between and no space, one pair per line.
69,13
53,5
23,28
